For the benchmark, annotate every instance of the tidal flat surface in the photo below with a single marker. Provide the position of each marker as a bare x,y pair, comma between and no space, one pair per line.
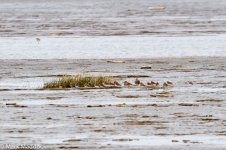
188,115
182,41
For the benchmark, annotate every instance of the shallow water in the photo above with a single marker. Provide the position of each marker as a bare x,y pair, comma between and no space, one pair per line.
111,17
105,47
86,29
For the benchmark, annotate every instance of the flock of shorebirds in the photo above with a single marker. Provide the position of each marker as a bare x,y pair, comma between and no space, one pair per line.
149,85
137,82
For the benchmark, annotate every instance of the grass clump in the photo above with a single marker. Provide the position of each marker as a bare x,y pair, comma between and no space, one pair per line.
82,81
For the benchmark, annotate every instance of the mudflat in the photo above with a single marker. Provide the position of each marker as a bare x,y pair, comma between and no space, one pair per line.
190,114
157,41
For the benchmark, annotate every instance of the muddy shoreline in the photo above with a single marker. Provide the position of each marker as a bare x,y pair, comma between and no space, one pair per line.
43,40
188,115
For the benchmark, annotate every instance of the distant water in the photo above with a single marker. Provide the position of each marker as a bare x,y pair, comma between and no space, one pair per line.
112,17
111,47
112,28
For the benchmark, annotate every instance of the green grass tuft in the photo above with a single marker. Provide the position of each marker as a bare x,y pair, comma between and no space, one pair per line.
81,81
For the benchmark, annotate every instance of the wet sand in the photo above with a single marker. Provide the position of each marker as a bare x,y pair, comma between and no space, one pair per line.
189,115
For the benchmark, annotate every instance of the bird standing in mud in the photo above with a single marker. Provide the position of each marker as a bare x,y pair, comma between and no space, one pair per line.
117,84
126,83
168,83
152,85
38,40
142,84
137,82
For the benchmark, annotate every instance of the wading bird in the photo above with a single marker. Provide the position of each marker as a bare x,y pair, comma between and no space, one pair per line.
38,40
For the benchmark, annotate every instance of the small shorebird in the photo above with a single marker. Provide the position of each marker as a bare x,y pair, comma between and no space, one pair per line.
137,82
116,83
126,83
167,83
142,84
38,40
152,85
